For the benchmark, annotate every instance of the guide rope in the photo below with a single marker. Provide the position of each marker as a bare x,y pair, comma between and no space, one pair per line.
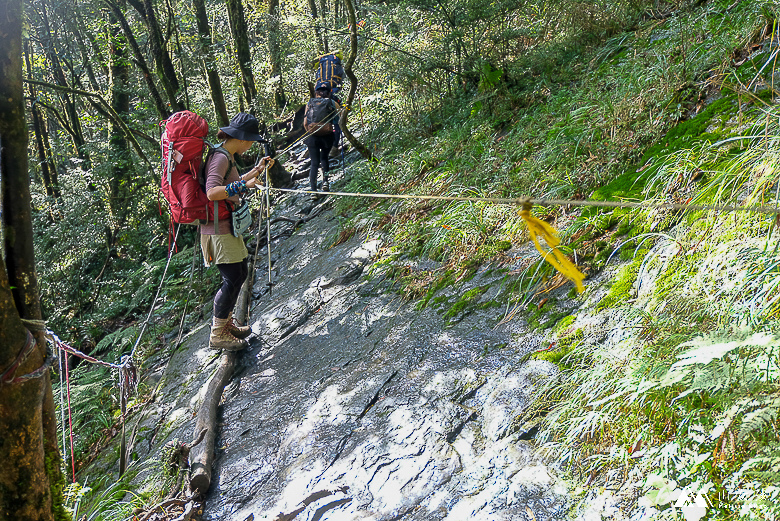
540,229
649,205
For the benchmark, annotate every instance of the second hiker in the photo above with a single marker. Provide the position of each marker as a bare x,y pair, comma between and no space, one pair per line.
321,113
219,245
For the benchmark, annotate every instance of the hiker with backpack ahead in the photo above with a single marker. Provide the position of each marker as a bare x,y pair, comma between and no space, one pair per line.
218,243
322,113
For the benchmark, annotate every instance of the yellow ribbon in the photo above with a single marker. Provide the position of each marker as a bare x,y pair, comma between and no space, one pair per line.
538,228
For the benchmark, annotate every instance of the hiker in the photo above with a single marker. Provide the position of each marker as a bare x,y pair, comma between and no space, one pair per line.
220,246
321,113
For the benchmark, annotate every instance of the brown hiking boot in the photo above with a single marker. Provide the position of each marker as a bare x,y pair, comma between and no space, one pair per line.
222,338
240,332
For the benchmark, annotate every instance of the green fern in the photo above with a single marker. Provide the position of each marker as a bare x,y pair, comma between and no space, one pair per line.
767,413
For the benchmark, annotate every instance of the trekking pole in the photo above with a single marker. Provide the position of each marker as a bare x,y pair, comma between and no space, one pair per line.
343,166
268,226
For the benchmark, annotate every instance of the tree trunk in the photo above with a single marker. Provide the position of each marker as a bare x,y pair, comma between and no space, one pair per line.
162,58
89,55
31,484
315,19
74,122
324,23
159,104
275,55
118,150
210,63
238,30
48,170
202,455
353,48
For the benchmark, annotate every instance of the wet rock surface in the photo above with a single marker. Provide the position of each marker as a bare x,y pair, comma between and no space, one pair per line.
396,412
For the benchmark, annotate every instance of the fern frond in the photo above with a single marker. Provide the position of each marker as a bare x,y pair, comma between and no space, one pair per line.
768,412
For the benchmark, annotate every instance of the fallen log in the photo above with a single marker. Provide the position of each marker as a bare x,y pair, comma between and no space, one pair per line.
202,455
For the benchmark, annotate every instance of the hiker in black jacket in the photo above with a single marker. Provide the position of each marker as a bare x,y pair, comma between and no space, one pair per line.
321,137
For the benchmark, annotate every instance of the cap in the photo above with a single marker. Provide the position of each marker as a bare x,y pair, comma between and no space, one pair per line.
322,85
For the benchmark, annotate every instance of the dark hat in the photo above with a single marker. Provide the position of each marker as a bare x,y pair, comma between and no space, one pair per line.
322,85
243,126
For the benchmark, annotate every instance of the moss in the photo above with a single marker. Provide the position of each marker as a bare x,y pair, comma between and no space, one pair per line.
677,271
56,485
563,347
564,323
489,304
445,280
466,301
621,287
695,129
624,186
539,319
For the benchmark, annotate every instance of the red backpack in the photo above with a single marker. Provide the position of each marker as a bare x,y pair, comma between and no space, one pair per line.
183,143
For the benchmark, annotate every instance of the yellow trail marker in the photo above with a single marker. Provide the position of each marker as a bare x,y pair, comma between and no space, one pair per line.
538,228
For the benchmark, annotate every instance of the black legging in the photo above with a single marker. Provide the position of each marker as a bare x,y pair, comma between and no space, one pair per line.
319,149
233,276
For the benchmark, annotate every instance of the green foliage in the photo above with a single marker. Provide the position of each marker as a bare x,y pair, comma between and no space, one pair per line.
93,398
104,500
491,99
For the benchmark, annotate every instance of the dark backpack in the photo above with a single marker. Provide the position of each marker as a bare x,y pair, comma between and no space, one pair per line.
319,116
330,70
183,142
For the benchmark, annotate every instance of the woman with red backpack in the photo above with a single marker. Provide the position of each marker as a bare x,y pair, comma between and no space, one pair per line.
219,245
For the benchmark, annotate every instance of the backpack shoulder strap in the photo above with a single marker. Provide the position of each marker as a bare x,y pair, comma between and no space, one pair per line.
221,150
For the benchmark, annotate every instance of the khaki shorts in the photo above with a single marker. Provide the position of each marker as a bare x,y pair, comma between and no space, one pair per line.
222,249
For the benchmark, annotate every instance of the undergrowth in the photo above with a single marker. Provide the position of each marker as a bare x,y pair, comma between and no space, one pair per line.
604,132
689,403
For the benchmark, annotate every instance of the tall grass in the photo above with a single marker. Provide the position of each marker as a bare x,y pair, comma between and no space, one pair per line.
689,403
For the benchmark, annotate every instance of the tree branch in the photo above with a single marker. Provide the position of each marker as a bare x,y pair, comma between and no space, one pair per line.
391,46
57,115
110,112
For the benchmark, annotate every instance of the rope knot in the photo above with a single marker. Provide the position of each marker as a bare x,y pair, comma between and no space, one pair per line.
525,203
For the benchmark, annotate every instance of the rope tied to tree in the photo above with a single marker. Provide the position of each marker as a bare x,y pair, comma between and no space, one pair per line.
34,325
7,376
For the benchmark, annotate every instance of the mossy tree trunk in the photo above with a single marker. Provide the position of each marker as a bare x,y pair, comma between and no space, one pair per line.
139,59
238,30
210,62
353,49
162,58
41,131
119,157
316,20
31,481
274,53
49,43
324,24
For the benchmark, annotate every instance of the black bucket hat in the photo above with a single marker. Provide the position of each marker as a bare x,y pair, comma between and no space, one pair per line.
243,126
322,85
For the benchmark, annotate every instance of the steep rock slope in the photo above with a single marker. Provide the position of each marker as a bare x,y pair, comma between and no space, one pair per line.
400,412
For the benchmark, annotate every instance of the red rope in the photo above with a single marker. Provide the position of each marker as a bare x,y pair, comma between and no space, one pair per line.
72,350
70,419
